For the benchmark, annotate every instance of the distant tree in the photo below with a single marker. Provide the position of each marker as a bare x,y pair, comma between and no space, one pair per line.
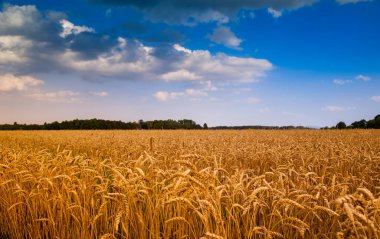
362,124
143,124
205,126
374,123
341,125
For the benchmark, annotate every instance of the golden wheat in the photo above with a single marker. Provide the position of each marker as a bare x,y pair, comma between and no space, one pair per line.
190,184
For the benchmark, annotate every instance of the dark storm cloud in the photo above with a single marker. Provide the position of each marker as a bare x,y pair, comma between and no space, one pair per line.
189,12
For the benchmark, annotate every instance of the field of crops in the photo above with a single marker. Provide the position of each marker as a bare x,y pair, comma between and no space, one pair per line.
190,184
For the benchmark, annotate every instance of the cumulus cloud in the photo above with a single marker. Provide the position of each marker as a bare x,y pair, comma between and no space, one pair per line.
192,93
252,100
363,78
124,61
133,60
57,96
180,75
264,110
239,91
224,35
341,82
165,96
16,18
275,13
344,82
69,28
376,98
9,82
192,12
13,49
99,93
333,108
98,57
202,89
30,40
221,67
351,1
208,86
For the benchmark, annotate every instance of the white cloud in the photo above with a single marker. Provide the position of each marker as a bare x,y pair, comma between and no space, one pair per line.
165,96
99,93
205,17
252,100
69,28
17,17
13,49
224,35
180,48
239,91
57,96
115,63
376,98
264,110
201,90
190,92
213,99
208,86
195,93
363,78
190,12
341,82
333,108
351,1
247,14
180,75
23,51
28,40
221,67
9,82
189,64
275,13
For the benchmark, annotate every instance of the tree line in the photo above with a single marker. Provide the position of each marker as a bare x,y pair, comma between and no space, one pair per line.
360,124
87,124
260,127
90,124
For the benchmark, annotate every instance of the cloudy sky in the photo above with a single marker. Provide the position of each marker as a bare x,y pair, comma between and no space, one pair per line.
224,62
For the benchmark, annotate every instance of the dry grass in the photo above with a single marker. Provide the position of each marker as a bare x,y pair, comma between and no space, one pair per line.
190,184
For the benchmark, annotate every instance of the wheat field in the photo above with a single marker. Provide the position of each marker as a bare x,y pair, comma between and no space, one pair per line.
190,184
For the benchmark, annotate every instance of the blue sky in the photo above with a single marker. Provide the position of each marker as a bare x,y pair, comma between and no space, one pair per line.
300,62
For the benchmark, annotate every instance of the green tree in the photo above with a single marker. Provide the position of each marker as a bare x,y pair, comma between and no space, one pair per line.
341,125
362,124
374,123
205,126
